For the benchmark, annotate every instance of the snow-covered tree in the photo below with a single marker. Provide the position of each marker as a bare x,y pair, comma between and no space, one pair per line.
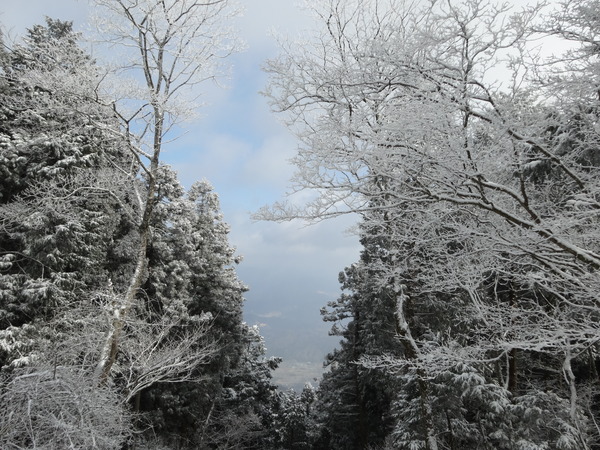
72,206
483,183
64,201
355,400
64,212
191,275
293,419
49,392
242,414
171,46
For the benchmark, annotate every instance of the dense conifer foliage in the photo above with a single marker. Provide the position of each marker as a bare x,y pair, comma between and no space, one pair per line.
357,399
187,371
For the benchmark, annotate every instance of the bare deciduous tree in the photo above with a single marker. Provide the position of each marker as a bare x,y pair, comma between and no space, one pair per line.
477,178
169,351
173,46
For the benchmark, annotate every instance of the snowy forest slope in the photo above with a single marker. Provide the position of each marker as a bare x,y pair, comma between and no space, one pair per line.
470,153
466,136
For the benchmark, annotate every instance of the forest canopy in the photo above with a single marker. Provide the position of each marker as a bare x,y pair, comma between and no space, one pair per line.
462,136
468,144
120,308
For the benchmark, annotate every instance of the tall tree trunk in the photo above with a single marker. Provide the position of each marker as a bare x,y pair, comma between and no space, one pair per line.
121,310
413,352
512,371
573,397
123,307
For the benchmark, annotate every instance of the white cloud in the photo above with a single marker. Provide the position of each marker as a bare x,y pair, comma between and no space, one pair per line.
270,164
271,315
261,17
290,267
216,157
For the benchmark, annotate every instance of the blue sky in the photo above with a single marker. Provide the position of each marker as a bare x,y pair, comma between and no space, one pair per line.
243,150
